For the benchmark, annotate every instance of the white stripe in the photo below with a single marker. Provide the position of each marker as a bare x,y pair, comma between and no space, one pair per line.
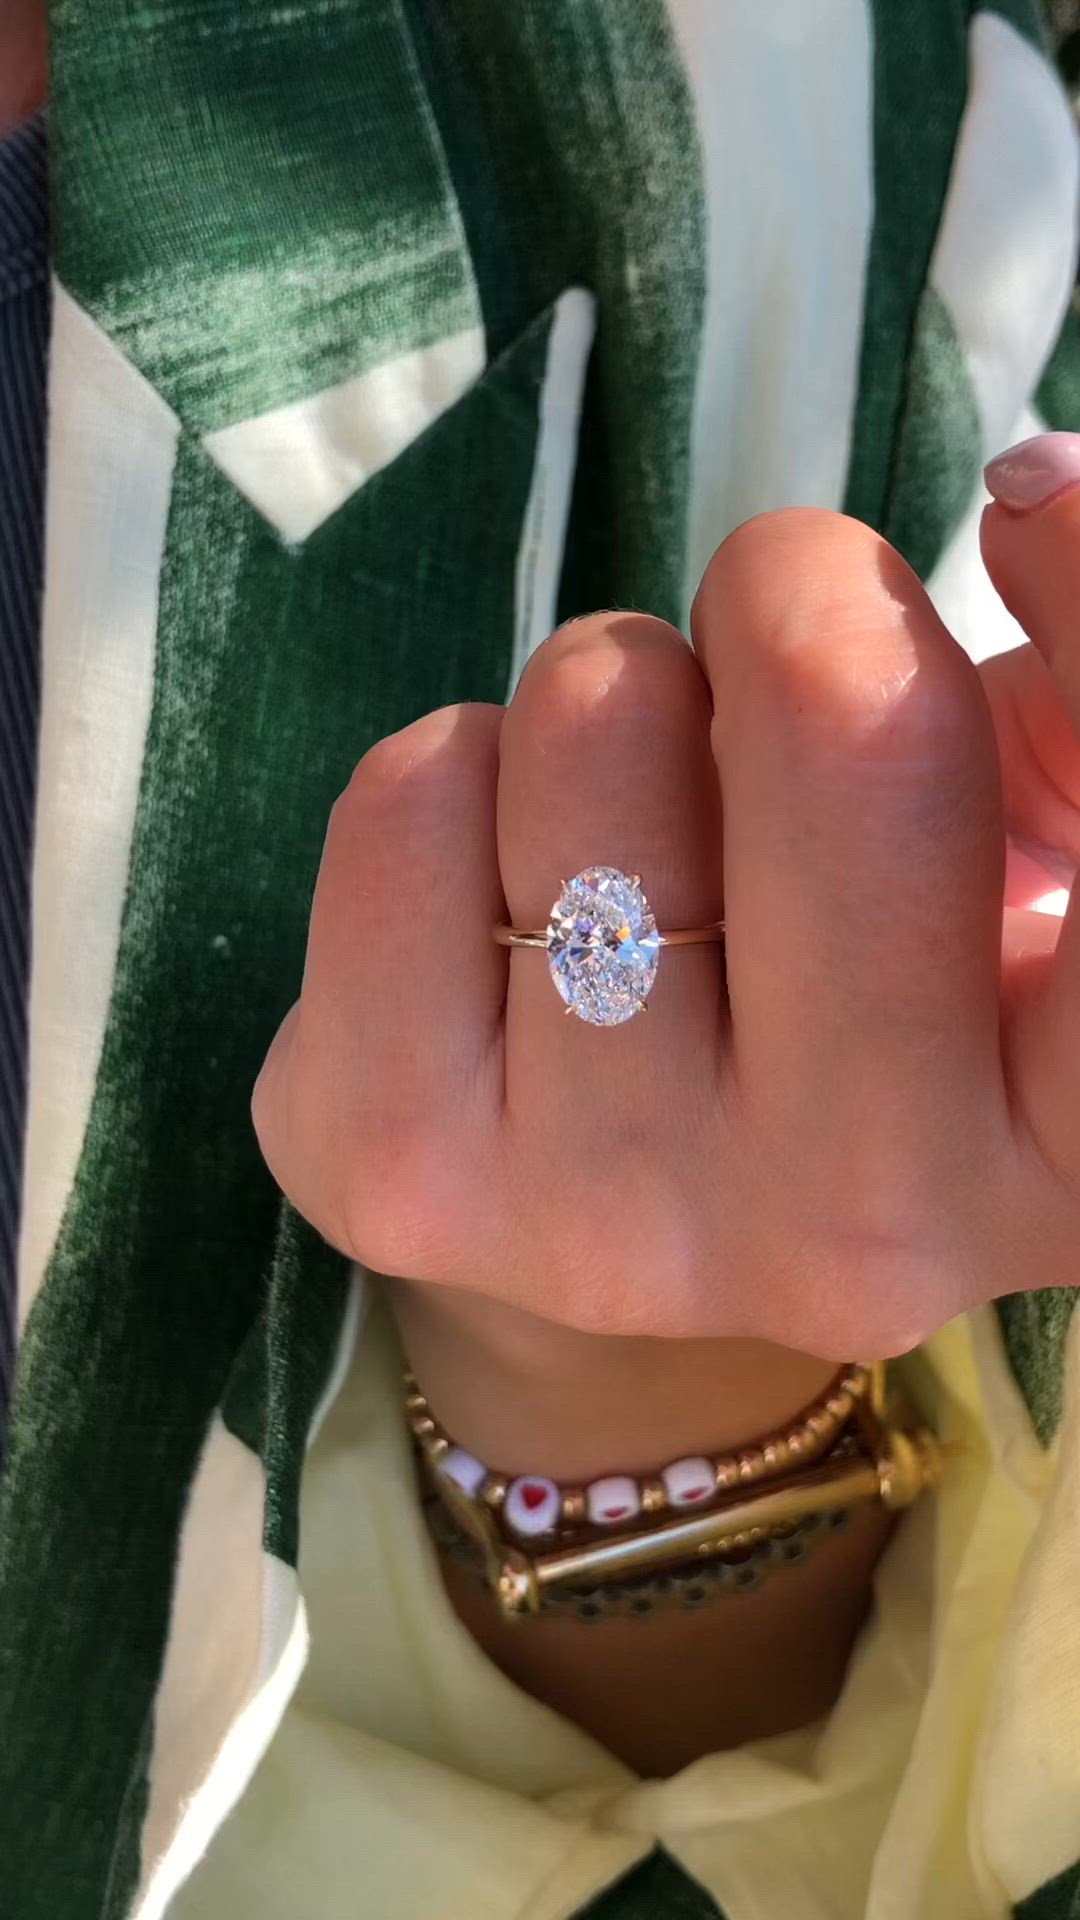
784,115
352,1325
112,447
961,588
1005,254
216,1656
299,463
543,535
285,1644
236,1649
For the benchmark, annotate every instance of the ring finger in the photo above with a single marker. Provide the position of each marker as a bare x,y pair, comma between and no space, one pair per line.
606,761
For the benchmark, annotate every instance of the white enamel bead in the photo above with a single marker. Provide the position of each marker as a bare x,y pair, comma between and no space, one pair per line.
464,1470
689,1483
533,1505
609,1502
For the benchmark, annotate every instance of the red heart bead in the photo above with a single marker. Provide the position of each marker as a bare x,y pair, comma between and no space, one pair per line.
533,1496
615,1513
695,1493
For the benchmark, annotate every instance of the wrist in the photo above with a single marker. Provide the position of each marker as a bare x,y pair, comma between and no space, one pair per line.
527,1395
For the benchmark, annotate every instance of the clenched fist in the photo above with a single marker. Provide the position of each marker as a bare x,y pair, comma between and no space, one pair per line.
859,1116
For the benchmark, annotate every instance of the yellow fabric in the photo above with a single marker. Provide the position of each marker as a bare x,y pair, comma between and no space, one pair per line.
1028,1803
409,1777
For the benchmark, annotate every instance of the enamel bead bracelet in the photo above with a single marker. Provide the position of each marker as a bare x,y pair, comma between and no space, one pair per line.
532,1505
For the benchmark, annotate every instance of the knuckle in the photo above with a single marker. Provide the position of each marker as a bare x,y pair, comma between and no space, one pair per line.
839,636
391,1207
605,672
419,759
870,683
869,1250
610,630
768,554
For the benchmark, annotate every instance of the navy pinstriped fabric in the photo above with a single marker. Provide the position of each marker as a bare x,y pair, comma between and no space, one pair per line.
24,320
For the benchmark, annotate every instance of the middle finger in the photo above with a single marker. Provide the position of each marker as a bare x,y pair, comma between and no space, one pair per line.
865,845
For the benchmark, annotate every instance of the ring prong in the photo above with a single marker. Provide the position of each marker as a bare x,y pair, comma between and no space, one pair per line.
642,1006
636,878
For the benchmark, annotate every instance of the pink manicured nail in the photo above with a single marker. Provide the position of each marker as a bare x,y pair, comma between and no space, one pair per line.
1029,475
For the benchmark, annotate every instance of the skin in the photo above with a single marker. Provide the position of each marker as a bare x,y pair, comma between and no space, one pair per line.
22,61
622,1245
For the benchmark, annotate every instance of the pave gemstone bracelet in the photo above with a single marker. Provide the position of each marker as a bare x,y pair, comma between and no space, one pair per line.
839,1452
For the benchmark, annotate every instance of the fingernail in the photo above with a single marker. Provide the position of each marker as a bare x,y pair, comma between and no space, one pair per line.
1034,472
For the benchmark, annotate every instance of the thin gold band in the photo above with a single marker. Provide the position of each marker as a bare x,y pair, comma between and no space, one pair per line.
680,937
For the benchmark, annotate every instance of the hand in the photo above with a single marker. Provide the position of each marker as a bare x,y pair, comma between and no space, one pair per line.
875,1126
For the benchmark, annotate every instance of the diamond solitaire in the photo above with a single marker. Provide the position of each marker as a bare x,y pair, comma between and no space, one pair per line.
603,946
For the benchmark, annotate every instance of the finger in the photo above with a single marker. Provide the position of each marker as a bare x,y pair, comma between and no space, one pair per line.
1030,542
863,835
1040,759
606,762
391,1064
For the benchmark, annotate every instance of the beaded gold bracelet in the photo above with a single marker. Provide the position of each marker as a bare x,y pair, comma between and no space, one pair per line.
878,1461
531,1505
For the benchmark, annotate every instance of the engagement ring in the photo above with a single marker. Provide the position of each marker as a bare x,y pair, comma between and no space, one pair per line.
603,945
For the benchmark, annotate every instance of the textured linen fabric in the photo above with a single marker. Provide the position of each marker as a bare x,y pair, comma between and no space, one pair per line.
399,1724
264,219
24,320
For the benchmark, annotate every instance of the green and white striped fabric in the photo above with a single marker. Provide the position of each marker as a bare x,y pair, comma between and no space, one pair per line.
387,334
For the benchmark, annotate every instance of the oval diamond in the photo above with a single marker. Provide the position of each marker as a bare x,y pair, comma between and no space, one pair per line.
603,946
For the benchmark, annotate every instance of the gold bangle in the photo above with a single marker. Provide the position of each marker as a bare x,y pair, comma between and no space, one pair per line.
903,1465
754,1559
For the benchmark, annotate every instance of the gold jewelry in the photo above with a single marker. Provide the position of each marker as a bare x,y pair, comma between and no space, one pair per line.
686,1589
603,944
617,1498
505,936
886,1463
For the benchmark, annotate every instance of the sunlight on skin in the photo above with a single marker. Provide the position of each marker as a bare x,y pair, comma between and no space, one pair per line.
1028,883
1054,903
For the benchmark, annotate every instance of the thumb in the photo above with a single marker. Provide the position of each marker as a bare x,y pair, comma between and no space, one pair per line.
1039,751
1031,547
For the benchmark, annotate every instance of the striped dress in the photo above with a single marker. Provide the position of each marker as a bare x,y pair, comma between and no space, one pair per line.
385,335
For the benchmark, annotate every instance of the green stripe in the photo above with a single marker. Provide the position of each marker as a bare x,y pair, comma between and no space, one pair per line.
276,669
1058,397
657,1889
252,201
1059,1899
1027,16
1035,1327
511,283
938,455
598,144
920,85
282,1369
